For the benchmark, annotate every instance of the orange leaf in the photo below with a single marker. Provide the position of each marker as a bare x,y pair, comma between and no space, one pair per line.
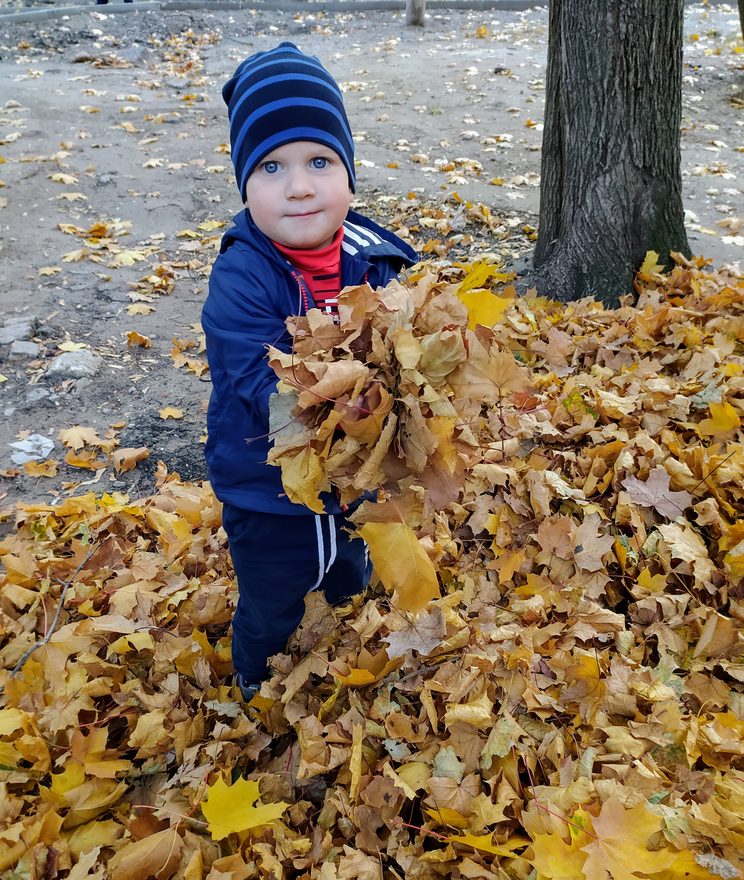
135,338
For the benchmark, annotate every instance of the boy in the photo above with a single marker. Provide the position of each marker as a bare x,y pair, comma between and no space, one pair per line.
293,248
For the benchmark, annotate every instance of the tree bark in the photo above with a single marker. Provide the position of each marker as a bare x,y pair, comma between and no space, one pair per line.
741,17
611,185
416,12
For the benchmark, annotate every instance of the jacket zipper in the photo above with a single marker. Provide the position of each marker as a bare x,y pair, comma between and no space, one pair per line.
303,290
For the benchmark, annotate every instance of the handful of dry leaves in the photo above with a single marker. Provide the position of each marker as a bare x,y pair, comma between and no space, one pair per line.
407,390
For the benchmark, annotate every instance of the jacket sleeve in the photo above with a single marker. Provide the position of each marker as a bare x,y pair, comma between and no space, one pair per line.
240,318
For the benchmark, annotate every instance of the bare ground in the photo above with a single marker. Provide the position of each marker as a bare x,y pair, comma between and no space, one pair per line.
116,188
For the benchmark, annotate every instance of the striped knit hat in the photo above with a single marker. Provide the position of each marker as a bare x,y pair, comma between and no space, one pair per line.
281,96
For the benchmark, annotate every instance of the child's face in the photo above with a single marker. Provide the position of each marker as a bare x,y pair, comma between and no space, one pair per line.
298,195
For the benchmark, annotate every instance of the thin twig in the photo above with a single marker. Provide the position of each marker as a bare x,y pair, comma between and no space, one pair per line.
55,620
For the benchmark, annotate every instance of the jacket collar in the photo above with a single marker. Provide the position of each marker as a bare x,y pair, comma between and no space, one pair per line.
363,240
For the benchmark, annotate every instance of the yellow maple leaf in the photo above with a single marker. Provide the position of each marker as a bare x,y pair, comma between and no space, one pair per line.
479,273
554,859
724,418
401,564
236,808
171,412
69,345
49,270
685,867
650,264
484,307
78,436
620,846
654,583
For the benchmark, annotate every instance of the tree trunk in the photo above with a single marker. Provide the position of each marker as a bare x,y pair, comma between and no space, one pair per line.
611,183
741,17
416,12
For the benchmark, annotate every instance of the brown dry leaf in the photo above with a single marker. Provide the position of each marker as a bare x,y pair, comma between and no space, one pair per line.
655,492
424,633
157,855
128,458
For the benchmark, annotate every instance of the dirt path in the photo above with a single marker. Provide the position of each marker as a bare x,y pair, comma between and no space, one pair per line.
117,188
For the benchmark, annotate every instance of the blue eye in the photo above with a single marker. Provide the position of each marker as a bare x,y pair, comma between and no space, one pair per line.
270,167
320,162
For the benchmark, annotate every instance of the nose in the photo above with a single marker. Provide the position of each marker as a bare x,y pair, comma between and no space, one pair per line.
299,184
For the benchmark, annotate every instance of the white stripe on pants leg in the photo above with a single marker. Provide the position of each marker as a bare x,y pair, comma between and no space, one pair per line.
332,538
321,553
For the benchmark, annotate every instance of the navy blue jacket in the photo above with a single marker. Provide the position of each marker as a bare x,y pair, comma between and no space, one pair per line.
252,290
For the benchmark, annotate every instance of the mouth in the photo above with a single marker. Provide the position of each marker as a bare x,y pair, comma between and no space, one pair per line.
304,214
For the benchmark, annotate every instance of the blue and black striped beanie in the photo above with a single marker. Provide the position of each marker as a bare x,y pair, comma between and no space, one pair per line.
281,96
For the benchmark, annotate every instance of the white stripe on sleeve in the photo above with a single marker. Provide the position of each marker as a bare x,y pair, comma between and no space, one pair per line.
361,234
353,233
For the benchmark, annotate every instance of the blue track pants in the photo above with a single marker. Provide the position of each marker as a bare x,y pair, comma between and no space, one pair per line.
278,560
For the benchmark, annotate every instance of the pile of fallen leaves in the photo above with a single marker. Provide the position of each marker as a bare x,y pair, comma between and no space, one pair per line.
395,393
569,703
